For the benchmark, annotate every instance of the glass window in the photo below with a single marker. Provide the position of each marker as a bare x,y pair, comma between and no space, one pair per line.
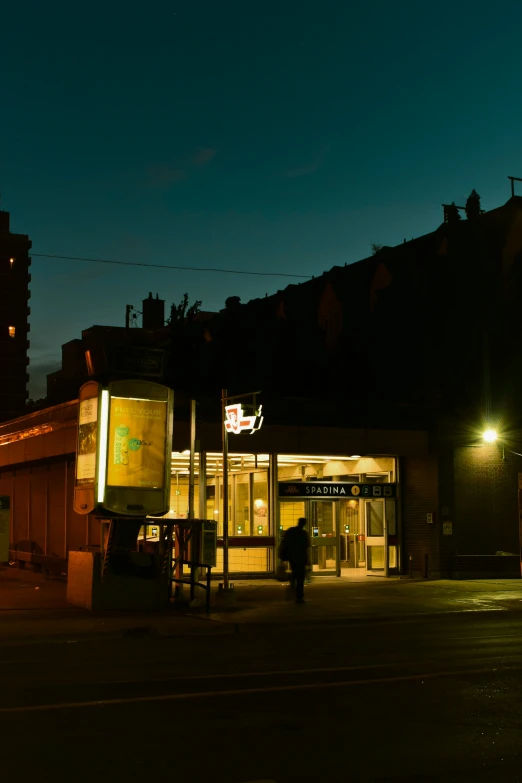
247,491
302,467
242,526
179,497
375,512
260,504
349,517
375,556
391,518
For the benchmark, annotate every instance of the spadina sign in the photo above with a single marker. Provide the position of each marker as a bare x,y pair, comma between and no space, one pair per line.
236,421
335,489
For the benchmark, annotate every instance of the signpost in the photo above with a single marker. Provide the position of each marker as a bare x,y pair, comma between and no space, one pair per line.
5,527
233,420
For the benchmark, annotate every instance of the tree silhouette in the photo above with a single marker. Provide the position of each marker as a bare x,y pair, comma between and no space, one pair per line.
183,312
473,209
375,248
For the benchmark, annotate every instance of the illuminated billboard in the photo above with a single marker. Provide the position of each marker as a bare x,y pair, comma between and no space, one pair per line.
86,447
135,447
87,430
136,455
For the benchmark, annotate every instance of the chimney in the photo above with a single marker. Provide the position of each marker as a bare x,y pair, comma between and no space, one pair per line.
4,222
153,313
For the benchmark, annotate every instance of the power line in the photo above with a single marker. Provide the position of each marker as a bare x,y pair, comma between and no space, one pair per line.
170,266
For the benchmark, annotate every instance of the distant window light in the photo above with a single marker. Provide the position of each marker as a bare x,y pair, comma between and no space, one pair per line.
11,261
12,331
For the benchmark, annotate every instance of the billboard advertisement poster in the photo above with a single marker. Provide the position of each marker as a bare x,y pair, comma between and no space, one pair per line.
87,435
137,442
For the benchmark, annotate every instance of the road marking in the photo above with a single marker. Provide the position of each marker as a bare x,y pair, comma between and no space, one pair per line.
248,691
276,673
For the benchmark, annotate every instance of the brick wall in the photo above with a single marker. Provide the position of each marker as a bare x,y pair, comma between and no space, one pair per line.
420,497
486,501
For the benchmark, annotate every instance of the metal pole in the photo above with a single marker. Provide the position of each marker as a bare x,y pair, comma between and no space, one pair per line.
202,484
192,458
225,490
194,556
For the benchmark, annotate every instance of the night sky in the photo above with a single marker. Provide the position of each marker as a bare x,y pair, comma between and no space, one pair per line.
275,136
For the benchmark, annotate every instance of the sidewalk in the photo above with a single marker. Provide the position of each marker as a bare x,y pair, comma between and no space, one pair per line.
339,601
34,609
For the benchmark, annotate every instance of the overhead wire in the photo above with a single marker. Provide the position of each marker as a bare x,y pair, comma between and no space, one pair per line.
173,266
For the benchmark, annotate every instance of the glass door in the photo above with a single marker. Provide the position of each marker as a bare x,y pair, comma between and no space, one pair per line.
376,538
324,537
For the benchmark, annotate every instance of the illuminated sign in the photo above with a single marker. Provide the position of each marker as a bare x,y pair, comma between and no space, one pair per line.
335,489
136,453
87,444
236,421
87,431
135,420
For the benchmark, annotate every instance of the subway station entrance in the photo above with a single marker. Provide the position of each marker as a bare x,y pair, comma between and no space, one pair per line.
351,512
349,504
349,537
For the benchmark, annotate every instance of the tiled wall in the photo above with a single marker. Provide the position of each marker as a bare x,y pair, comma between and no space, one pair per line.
244,560
289,513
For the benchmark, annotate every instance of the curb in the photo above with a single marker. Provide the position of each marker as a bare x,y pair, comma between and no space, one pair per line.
284,625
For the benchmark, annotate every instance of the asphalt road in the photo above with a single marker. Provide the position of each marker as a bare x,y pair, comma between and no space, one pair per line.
416,701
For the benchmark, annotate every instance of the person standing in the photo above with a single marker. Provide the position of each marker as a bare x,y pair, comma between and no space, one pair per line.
295,549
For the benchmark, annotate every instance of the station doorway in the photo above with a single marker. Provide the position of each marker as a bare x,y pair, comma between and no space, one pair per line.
349,537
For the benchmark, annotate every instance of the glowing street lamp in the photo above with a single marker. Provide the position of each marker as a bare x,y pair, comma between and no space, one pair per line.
490,436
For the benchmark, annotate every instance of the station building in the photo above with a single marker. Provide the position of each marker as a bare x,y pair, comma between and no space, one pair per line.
370,497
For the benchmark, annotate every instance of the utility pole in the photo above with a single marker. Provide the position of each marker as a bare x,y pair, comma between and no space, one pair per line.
513,180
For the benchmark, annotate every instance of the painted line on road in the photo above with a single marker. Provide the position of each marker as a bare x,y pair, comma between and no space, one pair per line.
270,673
248,691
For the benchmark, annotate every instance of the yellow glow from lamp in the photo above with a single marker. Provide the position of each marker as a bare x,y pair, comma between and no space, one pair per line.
104,429
490,436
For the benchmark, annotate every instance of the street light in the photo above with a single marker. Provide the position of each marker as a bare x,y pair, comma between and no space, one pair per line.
490,436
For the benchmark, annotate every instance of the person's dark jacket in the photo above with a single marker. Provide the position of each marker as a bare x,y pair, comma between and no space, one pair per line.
294,546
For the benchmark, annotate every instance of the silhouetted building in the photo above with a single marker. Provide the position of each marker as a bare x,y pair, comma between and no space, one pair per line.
14,319
377,379
108,352
153,316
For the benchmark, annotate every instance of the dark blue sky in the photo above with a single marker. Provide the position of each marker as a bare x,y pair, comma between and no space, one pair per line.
274,136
